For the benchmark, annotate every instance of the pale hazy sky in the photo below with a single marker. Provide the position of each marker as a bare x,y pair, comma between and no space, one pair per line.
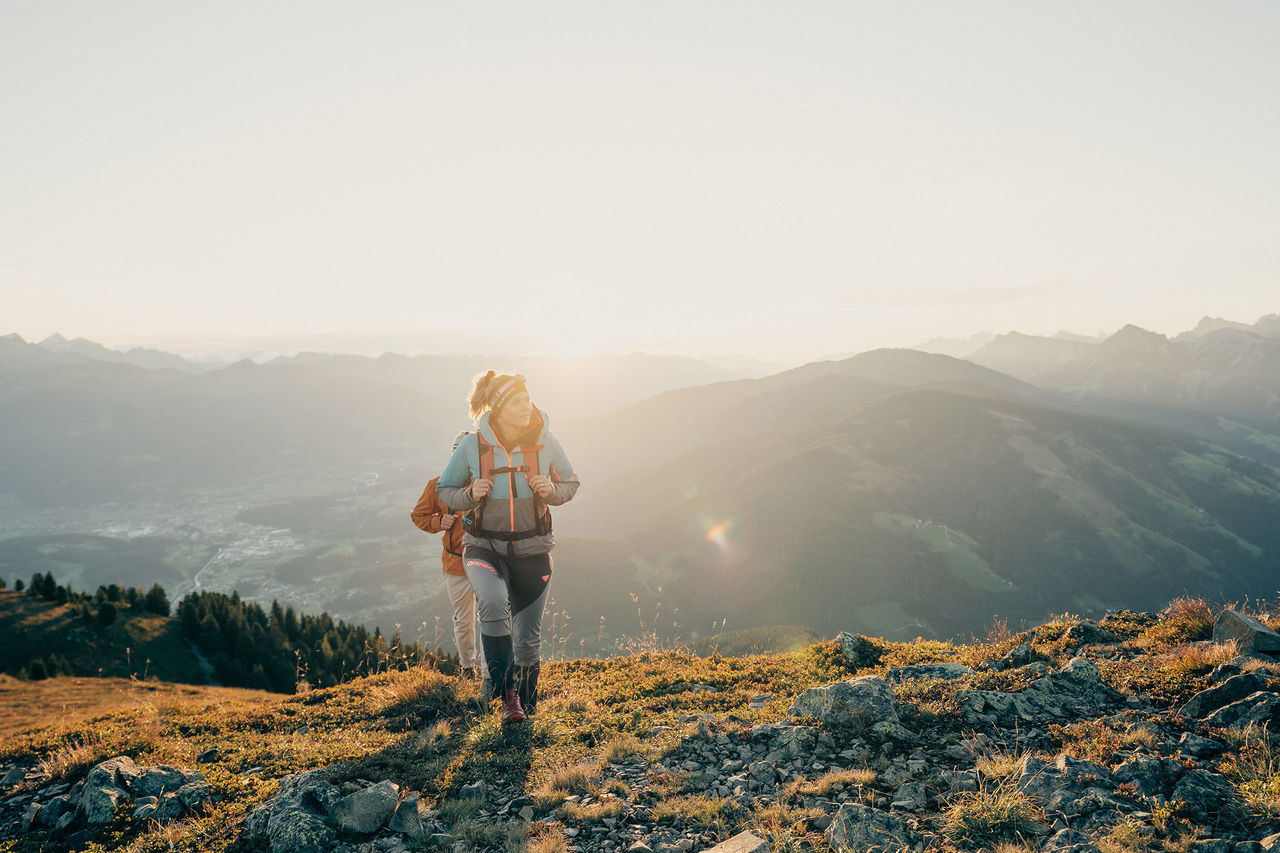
783,178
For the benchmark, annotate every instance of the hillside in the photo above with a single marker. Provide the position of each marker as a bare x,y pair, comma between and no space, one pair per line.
137,644
1137,733
920,509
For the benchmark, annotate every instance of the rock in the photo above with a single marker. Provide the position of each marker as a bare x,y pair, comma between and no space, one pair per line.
1076,689
293,821
911,797
154,781
760,700
193,794
859,651
1071,840
1200,747
1260,708
29,816
145,808
1202,793
858,828
858,703
944,671
744,842
98,803
407,820
763,772
208,756
1251,635
1151,775
16,774
53,810
119,772
171,807
1089,633
1232,690
474,791
368,809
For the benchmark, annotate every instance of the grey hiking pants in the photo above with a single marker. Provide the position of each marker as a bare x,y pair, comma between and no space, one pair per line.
510,597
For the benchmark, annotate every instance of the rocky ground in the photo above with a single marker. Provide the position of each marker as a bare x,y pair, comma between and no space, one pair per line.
1072,737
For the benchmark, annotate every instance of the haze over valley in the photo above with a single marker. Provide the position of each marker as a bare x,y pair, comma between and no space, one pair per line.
894,492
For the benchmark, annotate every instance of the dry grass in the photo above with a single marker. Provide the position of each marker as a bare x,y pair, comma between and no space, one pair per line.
622,748
559,784
829,783
595,812
550,841
990,815
1000,765
1197,658
417,688
1255,768
64,703
697,810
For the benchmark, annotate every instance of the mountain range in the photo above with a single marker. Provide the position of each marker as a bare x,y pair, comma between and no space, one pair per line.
895,492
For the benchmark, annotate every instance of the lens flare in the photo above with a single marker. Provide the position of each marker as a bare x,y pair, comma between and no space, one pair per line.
717,533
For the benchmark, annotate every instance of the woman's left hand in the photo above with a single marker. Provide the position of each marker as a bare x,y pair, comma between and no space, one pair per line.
541,485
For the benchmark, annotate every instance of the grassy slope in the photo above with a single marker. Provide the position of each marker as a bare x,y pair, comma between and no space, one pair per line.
417,728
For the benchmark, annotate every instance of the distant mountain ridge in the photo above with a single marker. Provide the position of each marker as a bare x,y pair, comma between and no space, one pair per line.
921,505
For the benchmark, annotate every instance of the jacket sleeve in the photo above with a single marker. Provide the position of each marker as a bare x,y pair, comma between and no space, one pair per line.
453,488
563,478
426,514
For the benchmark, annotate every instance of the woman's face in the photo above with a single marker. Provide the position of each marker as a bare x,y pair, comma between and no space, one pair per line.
514,417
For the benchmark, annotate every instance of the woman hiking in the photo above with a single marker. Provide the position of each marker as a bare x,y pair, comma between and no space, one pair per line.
505,475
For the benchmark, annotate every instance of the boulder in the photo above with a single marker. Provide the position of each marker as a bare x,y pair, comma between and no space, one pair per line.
98,803
1071,841
858,703
1261,708
1211,699
367,810
1251,635
859,828
119,772
293,821
1203,794
154,781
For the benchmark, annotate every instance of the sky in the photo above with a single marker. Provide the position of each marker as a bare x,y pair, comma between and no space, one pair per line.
767,179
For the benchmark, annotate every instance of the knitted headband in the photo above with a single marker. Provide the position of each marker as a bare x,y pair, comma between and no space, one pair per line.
506,391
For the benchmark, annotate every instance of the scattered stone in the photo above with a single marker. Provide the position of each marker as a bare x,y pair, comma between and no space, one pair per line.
293,821
744,842
1202,793
1200,747
208,756
759,701
473,791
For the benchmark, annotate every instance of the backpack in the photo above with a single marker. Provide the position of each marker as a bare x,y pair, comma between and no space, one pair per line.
471,521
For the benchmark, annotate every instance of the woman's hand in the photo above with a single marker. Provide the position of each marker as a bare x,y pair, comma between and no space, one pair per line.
446,520
481,488
541,485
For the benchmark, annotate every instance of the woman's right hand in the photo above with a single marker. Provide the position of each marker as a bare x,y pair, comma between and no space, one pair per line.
480,488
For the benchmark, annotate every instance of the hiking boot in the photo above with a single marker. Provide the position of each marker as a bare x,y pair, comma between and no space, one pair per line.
527,684
511,711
